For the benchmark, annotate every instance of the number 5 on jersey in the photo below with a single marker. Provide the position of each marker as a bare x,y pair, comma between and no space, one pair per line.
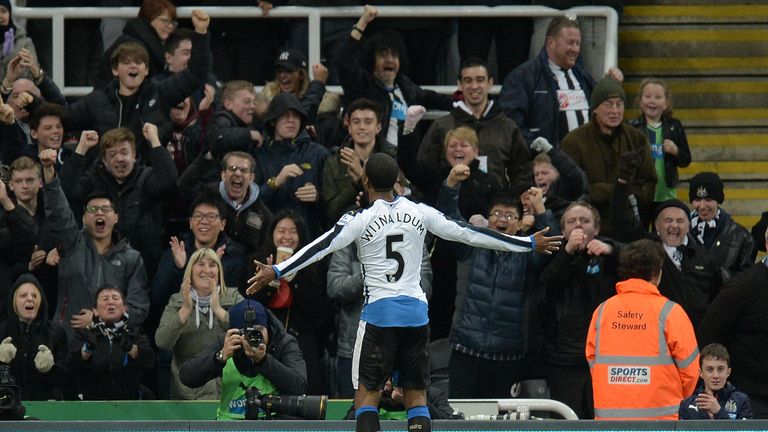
393,254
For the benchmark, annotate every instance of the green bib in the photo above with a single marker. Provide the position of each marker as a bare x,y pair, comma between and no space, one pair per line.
232,402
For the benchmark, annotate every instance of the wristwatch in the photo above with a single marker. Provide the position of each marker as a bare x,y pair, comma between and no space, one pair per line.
220,358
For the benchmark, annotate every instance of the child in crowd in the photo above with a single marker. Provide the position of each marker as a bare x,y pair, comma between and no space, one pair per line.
715,398
669,145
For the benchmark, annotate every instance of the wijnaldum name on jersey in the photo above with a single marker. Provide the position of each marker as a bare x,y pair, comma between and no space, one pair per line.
378,222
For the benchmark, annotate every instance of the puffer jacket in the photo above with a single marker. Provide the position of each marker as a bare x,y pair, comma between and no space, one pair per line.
35,385
102,109
529,97
491,319
82,270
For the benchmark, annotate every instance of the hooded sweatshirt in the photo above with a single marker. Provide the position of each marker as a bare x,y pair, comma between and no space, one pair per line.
27,337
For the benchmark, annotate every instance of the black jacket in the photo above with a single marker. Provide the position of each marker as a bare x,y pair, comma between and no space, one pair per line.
358,82
737,319
137,199
283,366
35,385
695,285
103,110
110,373
575,286
730,244
140,31
226,132
475,193
671,129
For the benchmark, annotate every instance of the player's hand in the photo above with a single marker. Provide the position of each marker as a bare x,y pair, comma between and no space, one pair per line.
546,245
264,275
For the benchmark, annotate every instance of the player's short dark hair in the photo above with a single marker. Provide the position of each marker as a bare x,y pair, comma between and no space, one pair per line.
715,351
363,104
641,259
382,171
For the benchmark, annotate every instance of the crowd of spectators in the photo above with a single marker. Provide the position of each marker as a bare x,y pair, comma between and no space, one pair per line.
132,217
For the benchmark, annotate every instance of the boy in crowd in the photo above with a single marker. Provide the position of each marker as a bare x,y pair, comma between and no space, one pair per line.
715,398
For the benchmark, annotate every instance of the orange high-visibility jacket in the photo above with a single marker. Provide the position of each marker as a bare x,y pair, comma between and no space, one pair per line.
643,355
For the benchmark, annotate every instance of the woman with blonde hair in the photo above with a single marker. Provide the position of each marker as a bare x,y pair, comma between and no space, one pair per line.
195,317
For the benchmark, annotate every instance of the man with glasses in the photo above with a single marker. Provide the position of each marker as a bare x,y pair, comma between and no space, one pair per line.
207,225
488,338
246,217
136,190
91,257
616,159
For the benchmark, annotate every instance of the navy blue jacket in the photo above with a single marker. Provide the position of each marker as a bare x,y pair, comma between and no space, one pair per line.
734,405
529,97
492,319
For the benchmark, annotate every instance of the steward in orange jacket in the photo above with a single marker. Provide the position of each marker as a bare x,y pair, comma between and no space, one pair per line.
641,347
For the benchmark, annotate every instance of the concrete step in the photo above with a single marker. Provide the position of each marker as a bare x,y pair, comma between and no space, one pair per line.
709,40
743,92
716,117
690,13
728,170
693,66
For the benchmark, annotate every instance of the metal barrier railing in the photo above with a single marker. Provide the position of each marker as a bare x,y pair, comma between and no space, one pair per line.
314,16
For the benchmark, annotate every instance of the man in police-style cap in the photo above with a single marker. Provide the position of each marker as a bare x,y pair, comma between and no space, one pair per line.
714,228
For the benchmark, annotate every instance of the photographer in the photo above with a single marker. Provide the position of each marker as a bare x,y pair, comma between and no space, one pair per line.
109,356
275,366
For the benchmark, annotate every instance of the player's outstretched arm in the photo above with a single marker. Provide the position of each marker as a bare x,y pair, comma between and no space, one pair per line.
546,245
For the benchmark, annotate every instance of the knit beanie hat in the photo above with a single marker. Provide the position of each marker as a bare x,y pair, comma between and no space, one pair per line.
706,185
607,88
7,4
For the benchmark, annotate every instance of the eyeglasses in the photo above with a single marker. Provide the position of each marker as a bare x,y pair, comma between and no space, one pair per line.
167,21
93,209
210,217
234,168
509,216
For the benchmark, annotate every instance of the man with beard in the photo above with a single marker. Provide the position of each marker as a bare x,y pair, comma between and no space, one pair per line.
135,190
91,257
